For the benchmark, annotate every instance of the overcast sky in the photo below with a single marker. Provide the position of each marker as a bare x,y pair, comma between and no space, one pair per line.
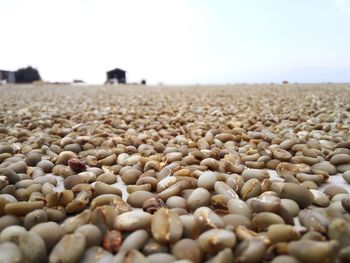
178,41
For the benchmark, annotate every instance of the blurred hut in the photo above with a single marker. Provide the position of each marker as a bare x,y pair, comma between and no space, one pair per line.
27,75
116,76
7,76
285,82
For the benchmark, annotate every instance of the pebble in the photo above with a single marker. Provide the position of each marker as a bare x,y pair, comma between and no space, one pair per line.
69,249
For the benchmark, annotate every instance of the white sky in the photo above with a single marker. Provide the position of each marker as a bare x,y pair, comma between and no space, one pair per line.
178,41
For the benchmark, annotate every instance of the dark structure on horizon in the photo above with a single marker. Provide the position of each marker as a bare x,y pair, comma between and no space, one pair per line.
27,75
22,75
116,75
7,76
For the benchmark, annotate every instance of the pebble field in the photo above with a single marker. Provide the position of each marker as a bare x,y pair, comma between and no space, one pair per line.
232,173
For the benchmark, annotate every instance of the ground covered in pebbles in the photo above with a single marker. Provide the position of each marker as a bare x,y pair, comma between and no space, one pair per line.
245,173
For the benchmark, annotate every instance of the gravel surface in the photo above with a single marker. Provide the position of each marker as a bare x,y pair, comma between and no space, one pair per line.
235,173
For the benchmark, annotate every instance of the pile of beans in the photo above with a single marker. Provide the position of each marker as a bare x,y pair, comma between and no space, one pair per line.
175,174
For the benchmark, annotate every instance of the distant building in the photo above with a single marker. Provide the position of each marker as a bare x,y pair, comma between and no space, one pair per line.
22,75
116,76
285,82
27,75
7,76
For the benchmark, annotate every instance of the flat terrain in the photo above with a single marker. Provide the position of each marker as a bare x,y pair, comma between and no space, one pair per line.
151,173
